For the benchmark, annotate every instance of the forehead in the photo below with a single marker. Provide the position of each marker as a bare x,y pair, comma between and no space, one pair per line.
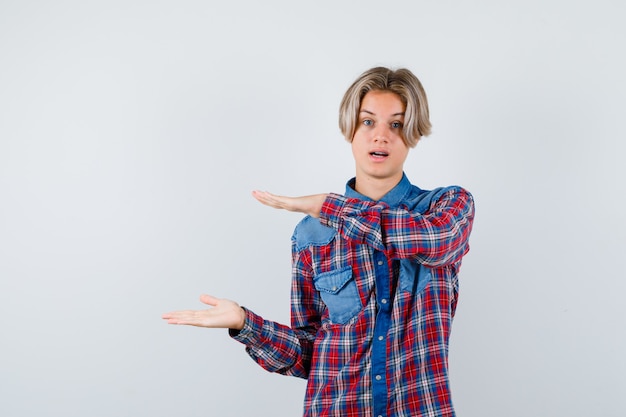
382,102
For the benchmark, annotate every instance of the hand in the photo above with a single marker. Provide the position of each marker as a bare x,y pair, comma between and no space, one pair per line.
310,204
225,314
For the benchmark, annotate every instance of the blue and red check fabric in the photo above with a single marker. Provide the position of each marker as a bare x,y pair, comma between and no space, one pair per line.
374,292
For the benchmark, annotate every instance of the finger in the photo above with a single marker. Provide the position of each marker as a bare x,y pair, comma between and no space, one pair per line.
173,317
209,300
276,201
258,196
188,317
264,198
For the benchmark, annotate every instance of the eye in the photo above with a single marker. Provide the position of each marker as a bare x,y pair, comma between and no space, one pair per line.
396,125
368,122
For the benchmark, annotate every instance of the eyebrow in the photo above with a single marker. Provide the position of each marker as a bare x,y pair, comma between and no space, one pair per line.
374,114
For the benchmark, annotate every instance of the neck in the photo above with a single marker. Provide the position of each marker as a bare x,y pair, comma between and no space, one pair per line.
375,188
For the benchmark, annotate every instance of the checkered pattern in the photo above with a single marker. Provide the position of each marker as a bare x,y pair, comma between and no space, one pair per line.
391,358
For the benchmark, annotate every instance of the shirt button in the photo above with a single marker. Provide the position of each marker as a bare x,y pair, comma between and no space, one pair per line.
380,338
380,262
378,377
334,288
384,301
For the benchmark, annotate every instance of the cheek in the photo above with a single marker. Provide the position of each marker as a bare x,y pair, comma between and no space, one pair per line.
356,144
355,149
403,151
406,153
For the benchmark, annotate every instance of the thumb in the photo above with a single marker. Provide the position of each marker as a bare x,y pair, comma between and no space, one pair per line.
209,300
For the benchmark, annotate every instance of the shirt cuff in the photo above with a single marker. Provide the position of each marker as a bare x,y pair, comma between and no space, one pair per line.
251,331
331,208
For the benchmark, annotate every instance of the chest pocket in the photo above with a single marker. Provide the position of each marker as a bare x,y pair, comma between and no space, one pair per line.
413,276
339,293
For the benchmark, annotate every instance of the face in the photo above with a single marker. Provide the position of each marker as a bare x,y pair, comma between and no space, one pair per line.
378,146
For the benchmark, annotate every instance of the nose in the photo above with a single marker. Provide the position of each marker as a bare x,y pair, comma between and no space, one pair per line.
381,134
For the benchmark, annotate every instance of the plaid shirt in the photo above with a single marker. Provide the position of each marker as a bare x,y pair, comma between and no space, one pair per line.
374,292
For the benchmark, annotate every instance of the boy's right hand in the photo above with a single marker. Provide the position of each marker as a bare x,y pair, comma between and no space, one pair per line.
224,314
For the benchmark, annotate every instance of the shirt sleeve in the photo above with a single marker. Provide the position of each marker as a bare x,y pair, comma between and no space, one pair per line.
434,238
279,348
274,346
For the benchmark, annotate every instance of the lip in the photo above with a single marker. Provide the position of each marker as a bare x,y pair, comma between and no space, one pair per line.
378,154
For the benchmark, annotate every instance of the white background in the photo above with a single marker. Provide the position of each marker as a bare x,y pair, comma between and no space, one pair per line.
131,135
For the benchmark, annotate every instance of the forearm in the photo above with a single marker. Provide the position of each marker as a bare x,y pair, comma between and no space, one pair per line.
436,237
275,347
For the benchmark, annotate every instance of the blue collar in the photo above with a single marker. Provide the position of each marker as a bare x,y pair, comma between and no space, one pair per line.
393,198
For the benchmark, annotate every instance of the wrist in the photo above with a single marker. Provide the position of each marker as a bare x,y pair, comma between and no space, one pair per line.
315,210
242,319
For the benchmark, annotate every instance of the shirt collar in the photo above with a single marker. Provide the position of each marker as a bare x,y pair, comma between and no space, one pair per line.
393,198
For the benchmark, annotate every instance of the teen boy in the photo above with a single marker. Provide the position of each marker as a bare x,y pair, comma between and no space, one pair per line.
375,282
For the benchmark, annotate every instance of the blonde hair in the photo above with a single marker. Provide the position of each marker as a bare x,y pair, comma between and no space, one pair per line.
401,82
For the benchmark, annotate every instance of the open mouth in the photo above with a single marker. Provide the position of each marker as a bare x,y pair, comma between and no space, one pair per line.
379,154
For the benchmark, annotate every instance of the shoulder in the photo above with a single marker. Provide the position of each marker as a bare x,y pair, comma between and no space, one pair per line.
311,232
